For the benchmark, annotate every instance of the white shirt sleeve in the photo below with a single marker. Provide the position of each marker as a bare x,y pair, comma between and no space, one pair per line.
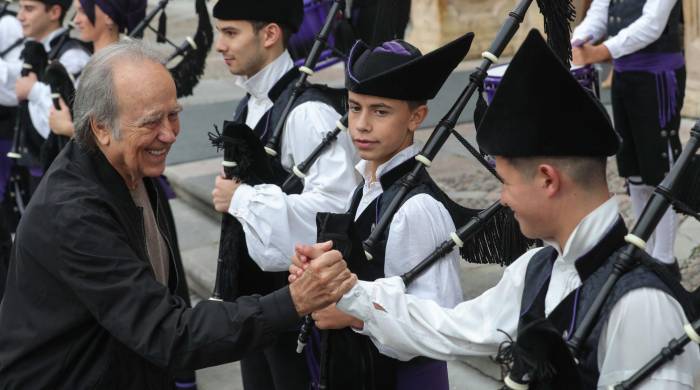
643,31
406,326
273,221
39,100
74,60
641,323
10,65
418,227
595,25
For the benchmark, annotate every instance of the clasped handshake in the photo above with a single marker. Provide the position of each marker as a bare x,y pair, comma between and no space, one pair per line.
318,278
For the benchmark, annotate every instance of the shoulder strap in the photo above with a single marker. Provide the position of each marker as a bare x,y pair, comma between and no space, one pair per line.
16,43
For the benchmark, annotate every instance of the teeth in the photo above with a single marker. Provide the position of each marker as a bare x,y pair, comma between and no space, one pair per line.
158,152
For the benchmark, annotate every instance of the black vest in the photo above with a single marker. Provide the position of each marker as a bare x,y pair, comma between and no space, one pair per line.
280,94
622,13
593,268
252,280
352,360
8,116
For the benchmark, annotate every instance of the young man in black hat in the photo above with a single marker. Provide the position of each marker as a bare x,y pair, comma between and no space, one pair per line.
253,38
42,21
550,139
388,87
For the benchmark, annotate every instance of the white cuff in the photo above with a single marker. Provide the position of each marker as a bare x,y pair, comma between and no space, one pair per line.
241,200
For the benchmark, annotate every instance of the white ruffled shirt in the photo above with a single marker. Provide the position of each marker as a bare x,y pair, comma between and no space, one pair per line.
273,222
10,64
638,35
640,324
418,227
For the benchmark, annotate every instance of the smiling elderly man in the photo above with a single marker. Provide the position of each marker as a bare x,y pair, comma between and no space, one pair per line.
90,297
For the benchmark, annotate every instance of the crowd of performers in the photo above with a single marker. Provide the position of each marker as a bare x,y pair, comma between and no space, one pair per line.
339,256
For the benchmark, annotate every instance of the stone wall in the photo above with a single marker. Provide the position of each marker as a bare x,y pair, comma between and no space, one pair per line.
691,11
436,22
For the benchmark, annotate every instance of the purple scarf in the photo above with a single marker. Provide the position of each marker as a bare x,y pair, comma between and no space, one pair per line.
663,66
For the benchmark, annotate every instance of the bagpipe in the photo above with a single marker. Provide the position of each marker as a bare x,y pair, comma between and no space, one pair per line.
192,51
679,189
24,139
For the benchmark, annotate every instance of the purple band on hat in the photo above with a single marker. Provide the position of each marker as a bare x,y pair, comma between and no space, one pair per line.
393,47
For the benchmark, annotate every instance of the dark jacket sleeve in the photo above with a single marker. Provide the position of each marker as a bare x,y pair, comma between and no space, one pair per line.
91,254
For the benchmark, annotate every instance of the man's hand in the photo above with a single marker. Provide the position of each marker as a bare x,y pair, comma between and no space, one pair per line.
332,318
60,121
324,281
303,254
24,85
223,193
590,54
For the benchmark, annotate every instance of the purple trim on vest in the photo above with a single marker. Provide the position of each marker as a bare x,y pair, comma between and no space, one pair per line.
423,374
185,385
5,163
663,66
392,47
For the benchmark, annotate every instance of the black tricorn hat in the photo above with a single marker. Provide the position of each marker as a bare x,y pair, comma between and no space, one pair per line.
540,109
397,70
289,13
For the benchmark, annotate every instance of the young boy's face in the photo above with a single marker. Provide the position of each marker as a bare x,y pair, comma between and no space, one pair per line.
381,127
38,19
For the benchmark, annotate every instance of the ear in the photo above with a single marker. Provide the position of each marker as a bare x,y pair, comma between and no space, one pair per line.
272,34
418,115
549,179
103,135
55,12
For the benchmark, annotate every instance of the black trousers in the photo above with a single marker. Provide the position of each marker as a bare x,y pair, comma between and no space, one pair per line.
645,144
277,367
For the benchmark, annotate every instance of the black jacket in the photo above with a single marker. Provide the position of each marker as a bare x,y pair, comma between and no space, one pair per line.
82,308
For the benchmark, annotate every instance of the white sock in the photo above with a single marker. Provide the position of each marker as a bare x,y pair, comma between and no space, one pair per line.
661,243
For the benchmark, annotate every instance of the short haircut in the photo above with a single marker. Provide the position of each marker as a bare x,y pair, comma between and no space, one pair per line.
583,171
286,31
96,98
64,11
413,104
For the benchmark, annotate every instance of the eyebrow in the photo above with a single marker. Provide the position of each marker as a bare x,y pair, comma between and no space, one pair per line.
151,116
227,29
374,106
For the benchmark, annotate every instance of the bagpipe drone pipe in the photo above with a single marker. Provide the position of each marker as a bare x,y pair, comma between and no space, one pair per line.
26,143
192,51
545,360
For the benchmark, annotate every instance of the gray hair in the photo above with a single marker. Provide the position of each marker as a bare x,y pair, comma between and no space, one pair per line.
95,98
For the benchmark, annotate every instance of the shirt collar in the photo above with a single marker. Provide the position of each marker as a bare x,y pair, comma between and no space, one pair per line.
396,160
47,40
262,82
589,231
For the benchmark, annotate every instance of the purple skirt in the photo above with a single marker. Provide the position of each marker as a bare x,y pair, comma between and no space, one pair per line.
422,373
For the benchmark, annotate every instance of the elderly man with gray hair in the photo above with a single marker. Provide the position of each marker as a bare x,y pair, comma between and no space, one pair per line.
89,301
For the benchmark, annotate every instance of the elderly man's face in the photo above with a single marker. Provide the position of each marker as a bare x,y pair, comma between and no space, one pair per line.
148,120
